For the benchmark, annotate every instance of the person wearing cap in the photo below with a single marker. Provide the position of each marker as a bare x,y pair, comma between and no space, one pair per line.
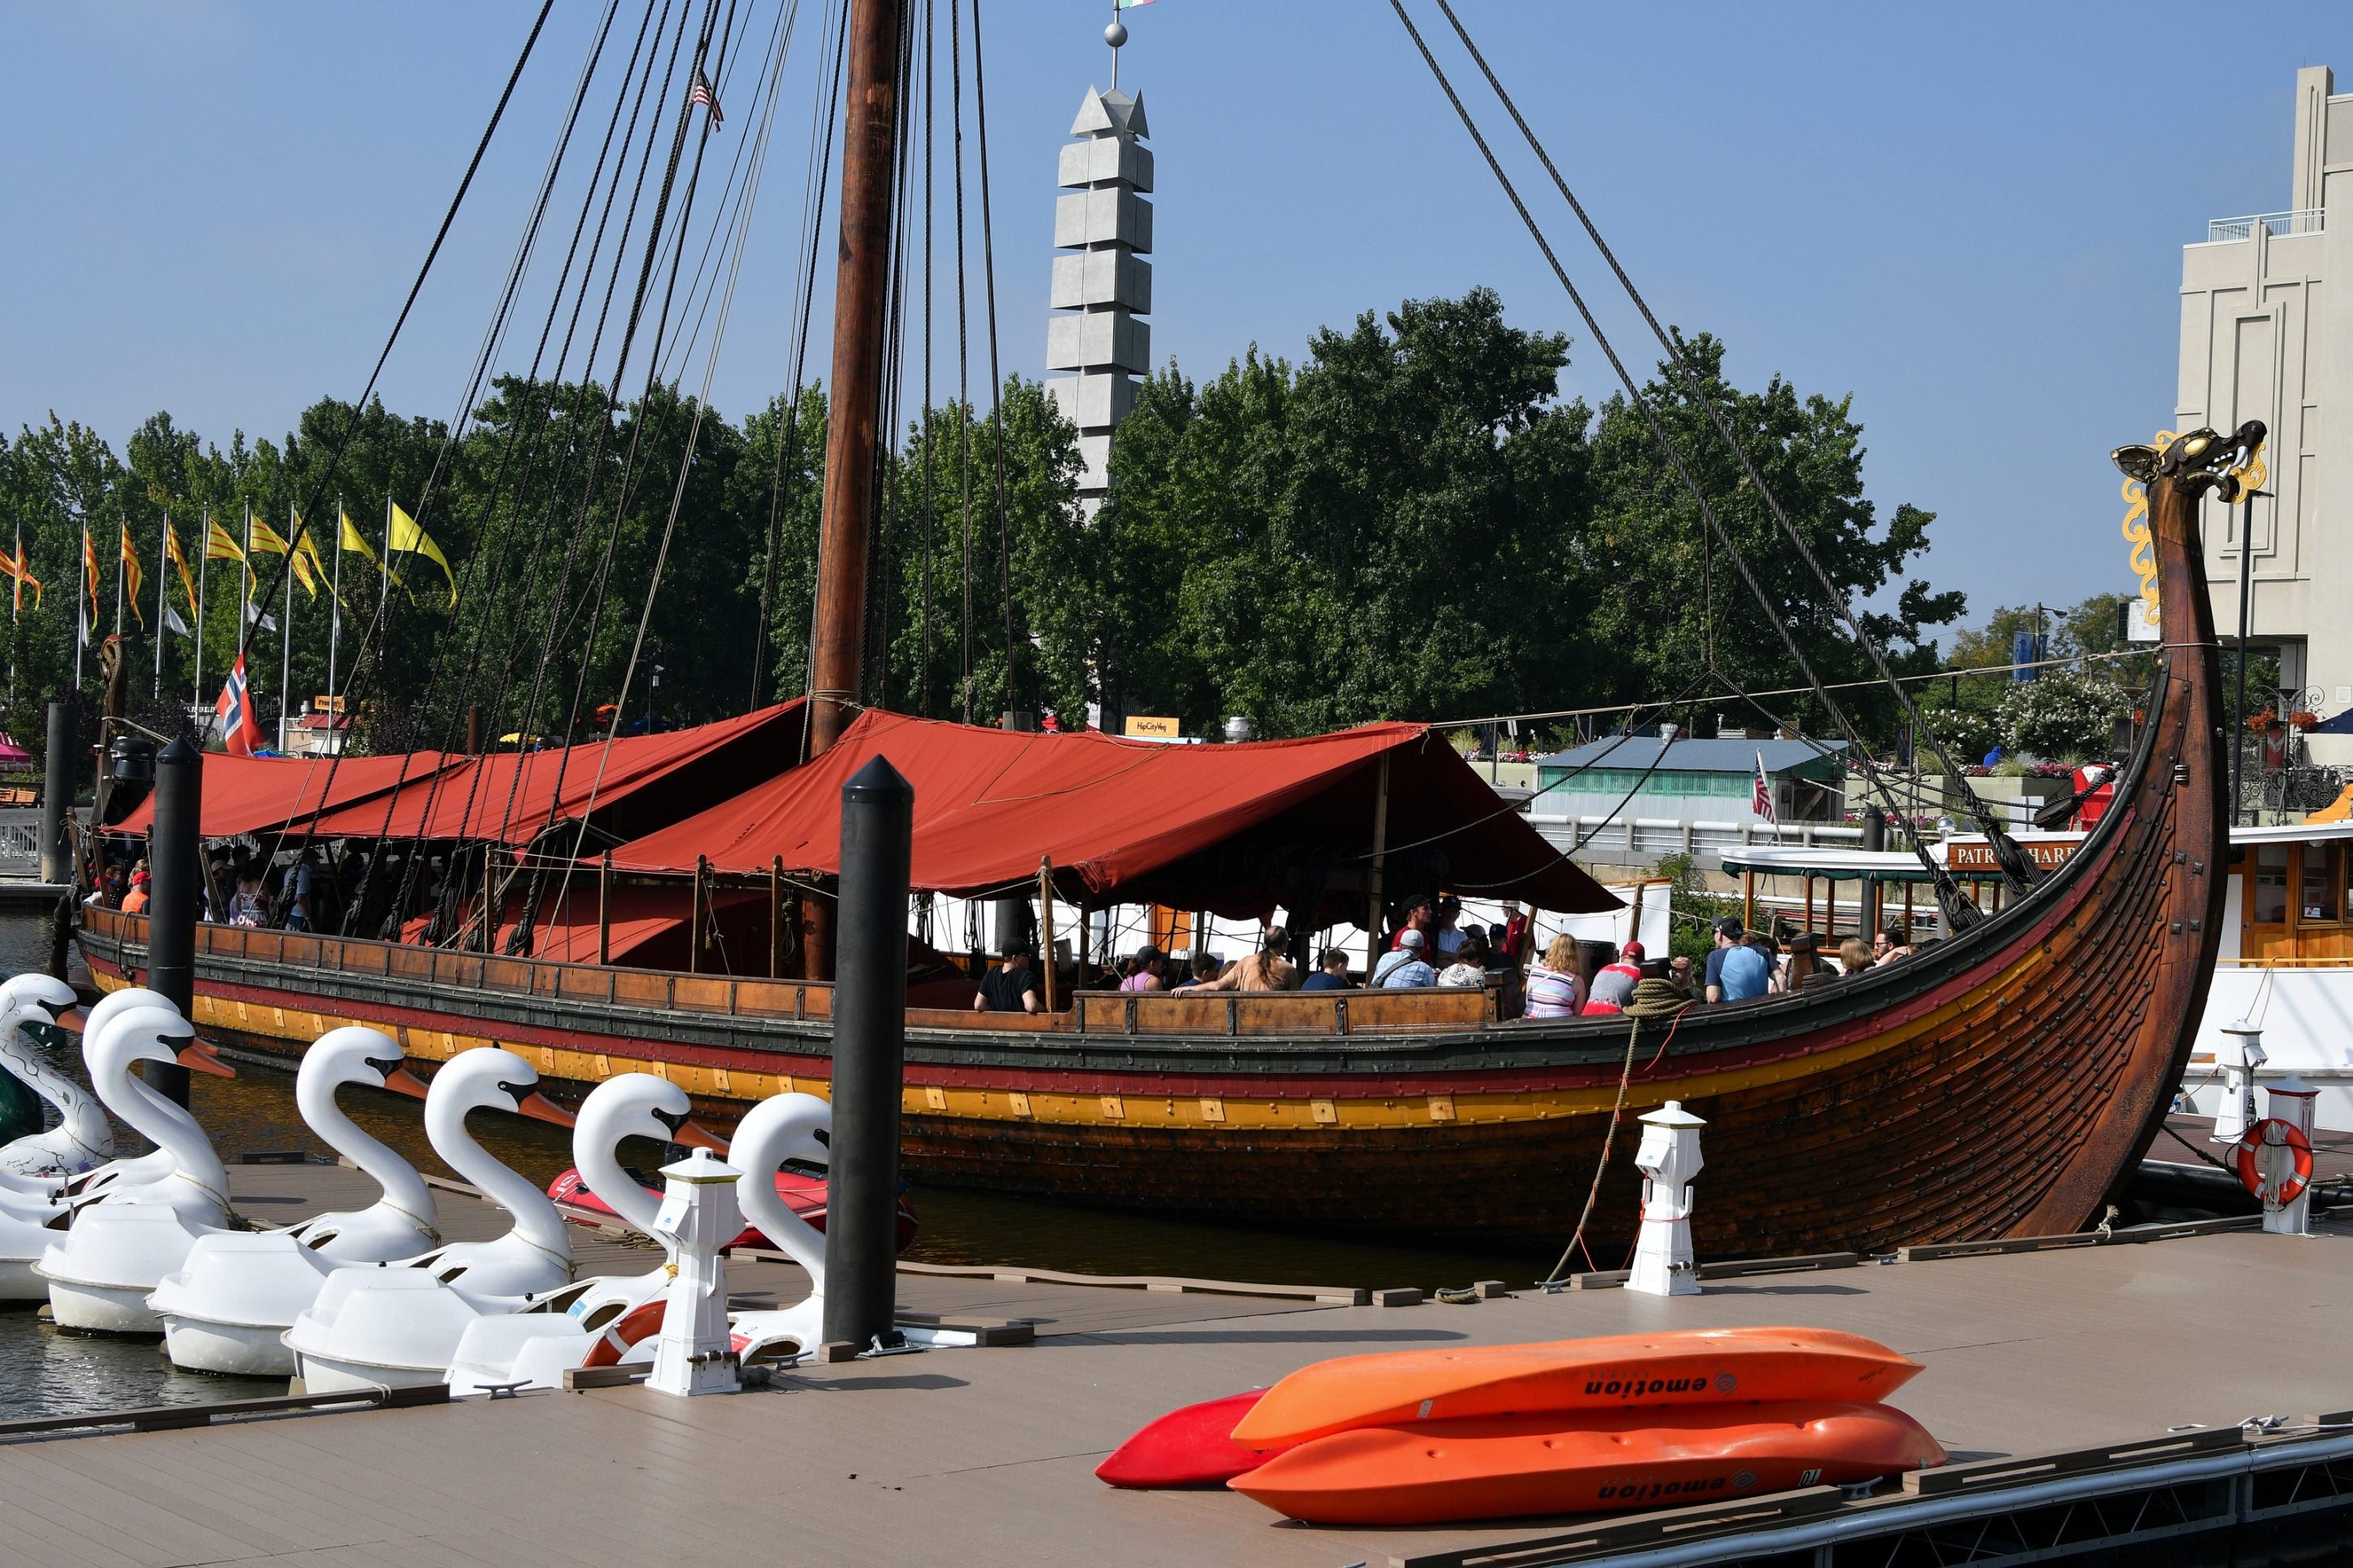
1735,971
134,902
1147,977
1613,987
1421,915
1265,970
1403,966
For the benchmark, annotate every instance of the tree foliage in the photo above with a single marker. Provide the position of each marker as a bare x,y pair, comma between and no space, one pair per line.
1410,522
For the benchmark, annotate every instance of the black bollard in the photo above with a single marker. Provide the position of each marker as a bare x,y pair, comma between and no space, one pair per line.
869,1030
57,797
1874,828
174,864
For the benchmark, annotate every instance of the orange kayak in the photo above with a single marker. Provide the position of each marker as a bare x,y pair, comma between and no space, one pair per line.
1703,1367
1192,1447
1612,1461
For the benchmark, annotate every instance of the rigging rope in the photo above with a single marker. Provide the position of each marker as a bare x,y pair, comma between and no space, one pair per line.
1960,913
996,375
1698,395
814,186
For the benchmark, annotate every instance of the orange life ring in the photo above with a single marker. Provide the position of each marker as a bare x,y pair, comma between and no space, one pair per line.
620,1337
2291,1136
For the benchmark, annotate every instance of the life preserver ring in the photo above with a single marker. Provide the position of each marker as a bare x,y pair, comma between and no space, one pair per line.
2248,1154
625,1333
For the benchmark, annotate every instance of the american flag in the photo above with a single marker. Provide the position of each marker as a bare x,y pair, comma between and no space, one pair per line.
1760,799
707,96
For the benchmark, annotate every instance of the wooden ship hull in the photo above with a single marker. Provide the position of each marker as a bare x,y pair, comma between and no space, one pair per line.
2003,1083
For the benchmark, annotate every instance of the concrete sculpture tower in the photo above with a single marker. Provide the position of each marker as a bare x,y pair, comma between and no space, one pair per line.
1104,223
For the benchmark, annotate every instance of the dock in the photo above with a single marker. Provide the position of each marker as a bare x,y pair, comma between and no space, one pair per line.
2120,1366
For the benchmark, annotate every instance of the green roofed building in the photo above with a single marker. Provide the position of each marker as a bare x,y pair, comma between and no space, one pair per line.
1694,780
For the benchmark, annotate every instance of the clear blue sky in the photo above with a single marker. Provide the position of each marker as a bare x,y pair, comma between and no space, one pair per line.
1966,216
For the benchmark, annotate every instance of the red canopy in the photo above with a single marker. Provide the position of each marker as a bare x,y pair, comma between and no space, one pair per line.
507,796
1233,828
262,794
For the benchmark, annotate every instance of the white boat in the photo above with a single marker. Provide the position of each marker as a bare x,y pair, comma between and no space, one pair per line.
2285,968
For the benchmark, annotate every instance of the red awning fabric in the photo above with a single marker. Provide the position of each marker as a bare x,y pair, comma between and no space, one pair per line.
263,795
1236,829
507,796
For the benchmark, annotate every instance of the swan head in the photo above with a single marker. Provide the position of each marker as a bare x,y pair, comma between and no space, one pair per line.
153,1034
31,990
113,1006
490,1077
355,1054
628,1105
786,1127
15,1044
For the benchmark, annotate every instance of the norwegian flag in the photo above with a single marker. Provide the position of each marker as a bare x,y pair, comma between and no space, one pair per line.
707,96
240,733
1760,799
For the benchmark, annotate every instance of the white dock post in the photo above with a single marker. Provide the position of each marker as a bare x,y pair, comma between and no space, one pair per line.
2293,1101
2237,1054
1669,1159
701,1215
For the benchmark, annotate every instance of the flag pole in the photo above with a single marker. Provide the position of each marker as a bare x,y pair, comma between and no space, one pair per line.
335,610
203,564
81,601
120,566
286,625
163,575
386,567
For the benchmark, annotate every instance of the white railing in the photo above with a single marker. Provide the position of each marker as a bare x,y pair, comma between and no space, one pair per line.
1647,836
2303,220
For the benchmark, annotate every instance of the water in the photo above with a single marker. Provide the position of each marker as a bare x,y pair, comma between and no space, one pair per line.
45,1373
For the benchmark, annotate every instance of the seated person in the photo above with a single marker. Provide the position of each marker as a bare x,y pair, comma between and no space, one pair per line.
1331,972
1614,987
1010,988
1145,974
1402,966
1265,970
1206,966
1555,990
1469,966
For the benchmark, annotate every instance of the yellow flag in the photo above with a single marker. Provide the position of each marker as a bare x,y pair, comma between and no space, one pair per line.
260,539
221,545
133,579
308,567
179,558
354,543
407,538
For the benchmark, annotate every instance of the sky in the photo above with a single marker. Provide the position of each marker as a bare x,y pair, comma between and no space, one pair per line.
1967,218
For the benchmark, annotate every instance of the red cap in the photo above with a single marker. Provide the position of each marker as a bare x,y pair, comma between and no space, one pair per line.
1632,950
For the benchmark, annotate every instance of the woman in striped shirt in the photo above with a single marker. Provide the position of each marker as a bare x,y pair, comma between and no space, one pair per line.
1555,988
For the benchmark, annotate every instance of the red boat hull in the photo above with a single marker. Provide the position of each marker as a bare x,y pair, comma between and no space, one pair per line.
1192,1447
804,1194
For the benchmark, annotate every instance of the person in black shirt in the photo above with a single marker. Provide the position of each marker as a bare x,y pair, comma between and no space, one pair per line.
1010,988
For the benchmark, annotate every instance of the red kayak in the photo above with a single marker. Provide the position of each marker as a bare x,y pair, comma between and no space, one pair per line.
1585,1461
1193,1447
804,1194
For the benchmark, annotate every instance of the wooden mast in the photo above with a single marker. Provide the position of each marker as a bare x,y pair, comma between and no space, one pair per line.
861,305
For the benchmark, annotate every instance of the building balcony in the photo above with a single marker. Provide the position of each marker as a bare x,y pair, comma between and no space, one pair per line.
2305,220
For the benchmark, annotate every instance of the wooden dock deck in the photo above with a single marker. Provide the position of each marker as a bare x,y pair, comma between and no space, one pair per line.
985,1456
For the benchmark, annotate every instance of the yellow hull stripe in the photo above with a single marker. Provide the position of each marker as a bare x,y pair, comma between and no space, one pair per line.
299,1026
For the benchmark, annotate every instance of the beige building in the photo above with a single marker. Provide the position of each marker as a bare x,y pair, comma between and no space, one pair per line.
2262,338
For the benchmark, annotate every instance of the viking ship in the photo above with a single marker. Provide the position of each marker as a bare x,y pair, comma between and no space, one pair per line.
2002,1082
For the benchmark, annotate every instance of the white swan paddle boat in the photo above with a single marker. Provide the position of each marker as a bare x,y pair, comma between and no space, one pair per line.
130,1169
40,1163
398,1324
780,1128
228,1308
121,1244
